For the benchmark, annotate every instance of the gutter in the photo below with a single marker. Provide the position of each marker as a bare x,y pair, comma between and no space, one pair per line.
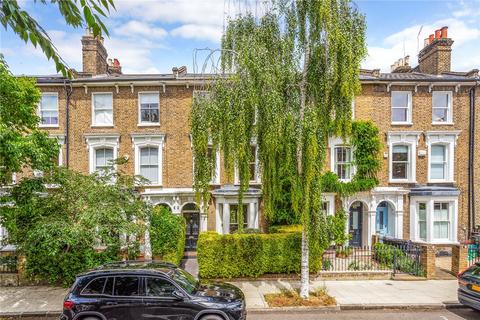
471,163
69,91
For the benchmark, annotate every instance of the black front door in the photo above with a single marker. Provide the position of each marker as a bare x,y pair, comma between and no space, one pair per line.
193,227
355,224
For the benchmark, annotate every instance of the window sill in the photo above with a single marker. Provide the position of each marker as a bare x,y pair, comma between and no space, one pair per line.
148,124
49,126
401,123
102,126
441,181
401,181
442,123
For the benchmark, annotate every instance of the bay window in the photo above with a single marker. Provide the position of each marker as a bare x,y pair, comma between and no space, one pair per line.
422,221
441,220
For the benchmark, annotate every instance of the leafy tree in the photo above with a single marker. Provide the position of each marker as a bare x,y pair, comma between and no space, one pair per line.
289,80
61,221
76,13
22,143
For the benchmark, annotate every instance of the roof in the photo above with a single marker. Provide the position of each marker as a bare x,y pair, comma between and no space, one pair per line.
366,76
434,191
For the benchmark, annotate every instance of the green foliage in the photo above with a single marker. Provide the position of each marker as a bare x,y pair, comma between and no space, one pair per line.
22,144
76,13
359,266
336,228
251,255
285,228
66,222
343,252
167,235
289,80
391,256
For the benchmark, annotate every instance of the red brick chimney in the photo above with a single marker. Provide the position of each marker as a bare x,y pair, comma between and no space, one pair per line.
94,55
435,57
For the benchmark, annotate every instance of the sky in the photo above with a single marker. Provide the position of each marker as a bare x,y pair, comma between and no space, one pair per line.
152,36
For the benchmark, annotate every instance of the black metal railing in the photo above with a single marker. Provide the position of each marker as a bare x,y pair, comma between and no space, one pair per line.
379,257
473,255
8,264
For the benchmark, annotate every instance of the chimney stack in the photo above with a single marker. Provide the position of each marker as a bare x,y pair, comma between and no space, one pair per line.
94,54
435,57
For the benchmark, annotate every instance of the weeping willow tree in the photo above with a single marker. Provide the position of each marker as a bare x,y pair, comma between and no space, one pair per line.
287,85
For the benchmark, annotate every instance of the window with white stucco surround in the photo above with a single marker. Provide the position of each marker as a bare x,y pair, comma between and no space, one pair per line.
441,155
434,219
102,151
341,159
148,150
402,148
254,166
328,204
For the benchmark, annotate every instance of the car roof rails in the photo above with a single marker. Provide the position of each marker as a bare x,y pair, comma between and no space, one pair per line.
126,263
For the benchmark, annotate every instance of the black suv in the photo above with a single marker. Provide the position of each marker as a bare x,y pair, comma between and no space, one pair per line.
150,290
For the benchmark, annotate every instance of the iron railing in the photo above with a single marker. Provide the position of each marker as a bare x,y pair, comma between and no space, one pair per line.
8,264
379,257
473,255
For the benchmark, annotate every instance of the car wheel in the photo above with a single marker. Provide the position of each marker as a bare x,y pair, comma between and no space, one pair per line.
211,317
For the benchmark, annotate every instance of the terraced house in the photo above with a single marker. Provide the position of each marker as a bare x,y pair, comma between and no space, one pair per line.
426,114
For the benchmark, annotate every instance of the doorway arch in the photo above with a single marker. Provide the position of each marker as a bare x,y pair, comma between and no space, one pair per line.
385,219
191,213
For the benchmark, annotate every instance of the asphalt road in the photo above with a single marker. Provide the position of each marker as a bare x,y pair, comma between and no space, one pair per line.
454,314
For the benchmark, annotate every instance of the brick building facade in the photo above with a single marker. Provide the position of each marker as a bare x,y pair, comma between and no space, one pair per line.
426,117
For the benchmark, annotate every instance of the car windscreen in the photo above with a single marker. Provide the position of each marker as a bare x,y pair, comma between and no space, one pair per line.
185,280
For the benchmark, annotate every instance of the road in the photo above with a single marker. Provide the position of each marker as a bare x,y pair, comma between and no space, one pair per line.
454,314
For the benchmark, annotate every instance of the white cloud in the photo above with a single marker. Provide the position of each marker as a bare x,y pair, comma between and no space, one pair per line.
195,31
136,28
405,41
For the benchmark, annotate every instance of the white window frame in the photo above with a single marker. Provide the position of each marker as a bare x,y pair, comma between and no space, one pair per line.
409,162
329,199
336,142
39,111
258,178
449,120
149,140
93,111
147,123
429,201
417,234
216,172
409,108
95,142
409,139
449,140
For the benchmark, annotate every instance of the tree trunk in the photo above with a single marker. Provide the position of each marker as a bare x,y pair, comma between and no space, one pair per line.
147,244
304,268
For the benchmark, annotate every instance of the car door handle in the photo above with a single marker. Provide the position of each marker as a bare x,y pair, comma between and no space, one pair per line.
111,303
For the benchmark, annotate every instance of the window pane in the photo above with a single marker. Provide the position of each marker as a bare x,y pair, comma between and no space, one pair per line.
439,115
157,287
440,99
150,172
103,158
49,102
438,154
149,98
437,171
400,99
126,286
95,287
102,101
400,153
440,230
399,115
400,171
49,117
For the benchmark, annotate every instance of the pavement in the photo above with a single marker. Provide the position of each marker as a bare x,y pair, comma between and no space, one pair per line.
350,295
360,294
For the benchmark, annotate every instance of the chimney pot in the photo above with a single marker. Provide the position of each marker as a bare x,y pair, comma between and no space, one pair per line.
438,34
430,38
116,63
444,31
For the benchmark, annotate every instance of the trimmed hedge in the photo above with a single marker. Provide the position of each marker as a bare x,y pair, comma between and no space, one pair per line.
167,235
252,255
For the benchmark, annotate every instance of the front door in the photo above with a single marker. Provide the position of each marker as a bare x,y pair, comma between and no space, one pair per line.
355,224
193,225
382,219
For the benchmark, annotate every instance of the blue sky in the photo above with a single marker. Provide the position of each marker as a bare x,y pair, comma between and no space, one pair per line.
152,36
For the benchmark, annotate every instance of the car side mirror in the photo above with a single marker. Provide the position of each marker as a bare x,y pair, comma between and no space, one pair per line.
178,295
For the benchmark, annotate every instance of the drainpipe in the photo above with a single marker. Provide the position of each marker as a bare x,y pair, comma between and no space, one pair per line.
68,90
471,166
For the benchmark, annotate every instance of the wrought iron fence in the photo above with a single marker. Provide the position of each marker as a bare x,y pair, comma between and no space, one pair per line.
380,257
8,264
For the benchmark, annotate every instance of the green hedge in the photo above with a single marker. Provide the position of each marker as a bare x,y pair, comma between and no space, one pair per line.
385,255
251,255
167,235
